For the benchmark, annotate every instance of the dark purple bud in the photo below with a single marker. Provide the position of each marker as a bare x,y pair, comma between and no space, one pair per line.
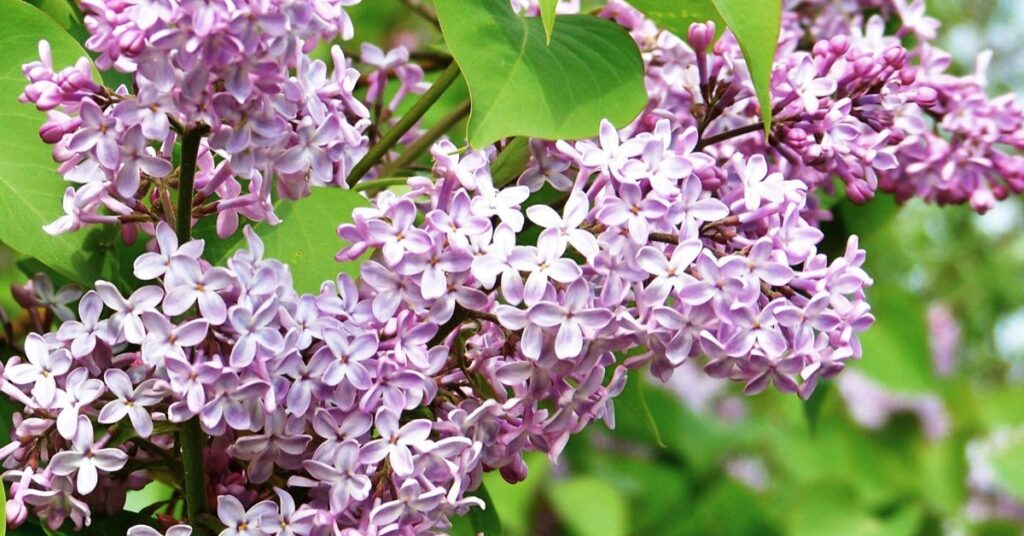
25,295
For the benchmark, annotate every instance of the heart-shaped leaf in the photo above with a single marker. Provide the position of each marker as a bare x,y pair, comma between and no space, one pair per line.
306,239
521,86
30,188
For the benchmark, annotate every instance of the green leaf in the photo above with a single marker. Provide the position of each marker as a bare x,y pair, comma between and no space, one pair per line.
3,510
30,188
896,349
547,15
66,14
635,401
676,16
756,25
118,523
485,521
812,407
727,507
591,71
516,503
589,505
511,162
306,239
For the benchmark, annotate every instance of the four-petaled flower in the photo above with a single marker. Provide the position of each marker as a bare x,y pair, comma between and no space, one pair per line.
41,369
86,459
131,401
574,317
395,443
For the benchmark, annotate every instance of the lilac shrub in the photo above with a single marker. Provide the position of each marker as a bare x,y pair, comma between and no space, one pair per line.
494,314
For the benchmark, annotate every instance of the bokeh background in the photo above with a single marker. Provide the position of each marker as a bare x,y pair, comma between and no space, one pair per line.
925,435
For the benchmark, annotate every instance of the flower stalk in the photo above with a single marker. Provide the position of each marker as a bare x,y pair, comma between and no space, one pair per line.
191,437
391,137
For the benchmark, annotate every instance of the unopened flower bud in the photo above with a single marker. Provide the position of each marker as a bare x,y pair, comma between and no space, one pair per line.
701,35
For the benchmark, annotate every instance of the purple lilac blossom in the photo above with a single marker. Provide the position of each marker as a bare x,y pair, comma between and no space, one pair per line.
460,348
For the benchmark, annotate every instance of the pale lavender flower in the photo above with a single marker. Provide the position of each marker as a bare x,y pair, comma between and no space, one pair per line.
263,450
80,392
128,312
395,442
411,500
84,334
758,184
187,283
343,474
346,357
239,521
567,227
56,301
146,530
130,401
40,369
287,521
633,210
575,319
167,341
256,331
398,237
152,265
541,263
86,459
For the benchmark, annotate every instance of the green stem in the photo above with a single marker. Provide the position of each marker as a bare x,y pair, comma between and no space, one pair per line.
421,145
380,184
189,155
191,437
404,124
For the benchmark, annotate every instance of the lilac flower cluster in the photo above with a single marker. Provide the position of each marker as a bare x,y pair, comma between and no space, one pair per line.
955,144
312,390
851,106
238,72
490,318
641,255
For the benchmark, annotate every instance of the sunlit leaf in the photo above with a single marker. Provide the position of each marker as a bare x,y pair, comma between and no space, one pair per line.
588,505
485,520
306,239
591,71
812,408
635,401
676,16
31,190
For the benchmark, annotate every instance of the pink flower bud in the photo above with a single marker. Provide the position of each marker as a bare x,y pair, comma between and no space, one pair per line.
839,44
926,97
701,35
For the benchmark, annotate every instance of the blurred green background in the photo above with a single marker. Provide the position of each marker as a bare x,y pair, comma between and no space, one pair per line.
925,435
